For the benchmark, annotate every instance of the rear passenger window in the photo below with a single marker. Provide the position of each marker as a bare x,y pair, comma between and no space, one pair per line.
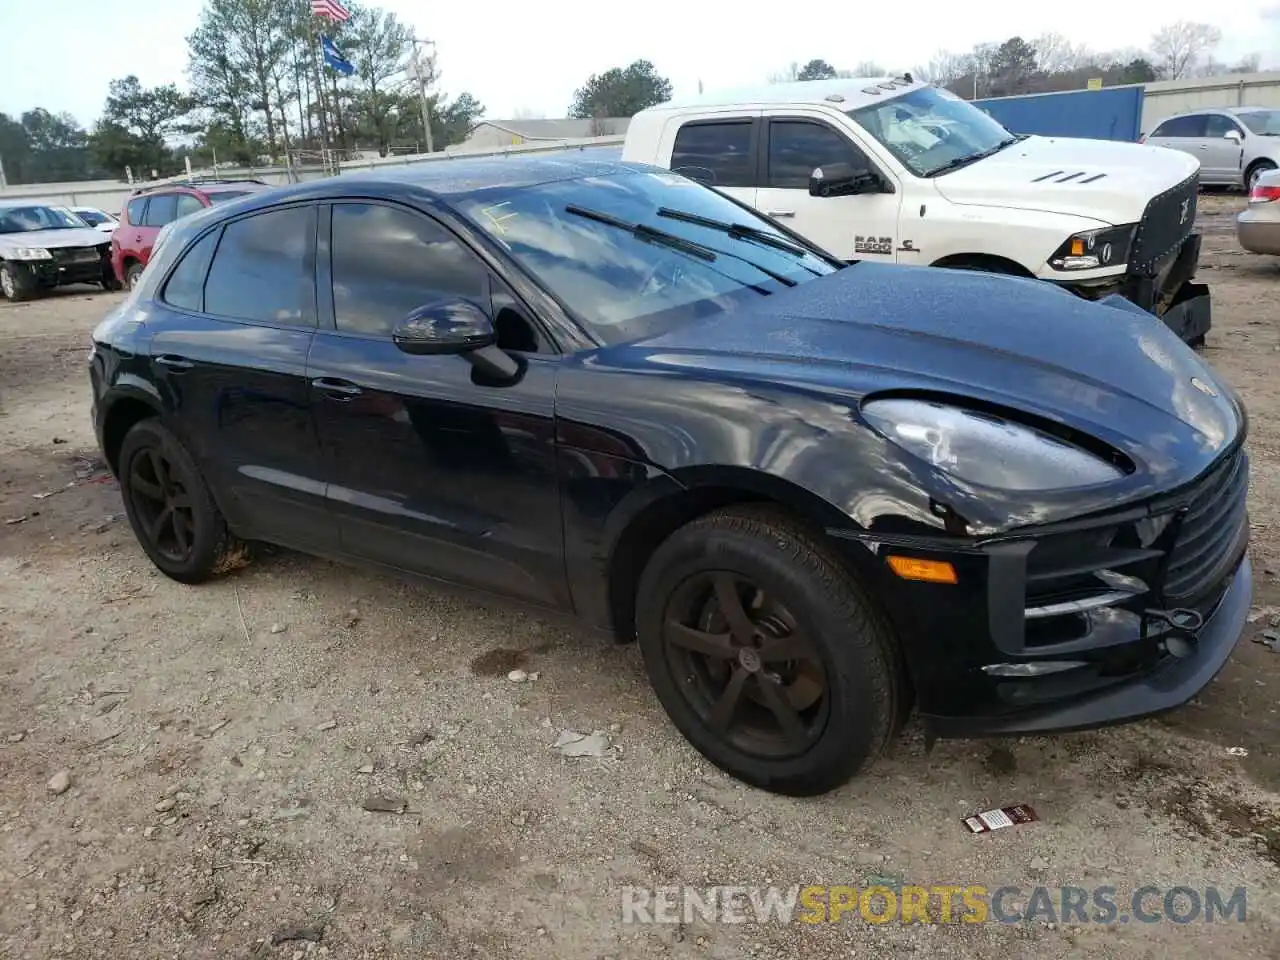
162,208
797,147
715,153
1193,126
185,289
263,269
1216,125
387,262
188,204
136,211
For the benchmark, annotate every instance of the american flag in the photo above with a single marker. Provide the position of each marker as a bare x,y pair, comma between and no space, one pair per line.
330,10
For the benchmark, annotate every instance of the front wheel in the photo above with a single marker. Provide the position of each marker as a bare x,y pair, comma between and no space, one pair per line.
16,283
1256,171
169,506
766,653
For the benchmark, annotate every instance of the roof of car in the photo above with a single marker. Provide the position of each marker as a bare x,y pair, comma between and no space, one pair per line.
1204,110
842,93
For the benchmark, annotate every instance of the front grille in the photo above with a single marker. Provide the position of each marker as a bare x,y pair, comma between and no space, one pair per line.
64,255
1167,221
1212,531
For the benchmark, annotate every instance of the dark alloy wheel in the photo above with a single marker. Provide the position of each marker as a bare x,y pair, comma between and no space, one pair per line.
766,652
753,678
169,505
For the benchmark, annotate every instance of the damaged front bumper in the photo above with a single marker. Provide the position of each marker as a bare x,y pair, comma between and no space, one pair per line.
1080,624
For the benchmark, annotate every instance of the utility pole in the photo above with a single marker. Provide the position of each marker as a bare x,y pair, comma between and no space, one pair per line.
422,68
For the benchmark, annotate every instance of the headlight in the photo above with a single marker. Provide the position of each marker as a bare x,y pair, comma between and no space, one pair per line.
988,450
28,253
1092,249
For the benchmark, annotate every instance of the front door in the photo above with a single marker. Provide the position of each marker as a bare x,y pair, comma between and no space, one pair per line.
431,469
861,227
231,350
1220,157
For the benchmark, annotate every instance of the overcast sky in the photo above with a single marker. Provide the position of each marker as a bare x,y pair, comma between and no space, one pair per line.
522,56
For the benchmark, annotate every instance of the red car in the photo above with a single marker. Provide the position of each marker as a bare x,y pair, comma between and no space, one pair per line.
151,208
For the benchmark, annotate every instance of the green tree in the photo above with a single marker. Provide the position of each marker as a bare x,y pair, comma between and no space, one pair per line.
816,70
1011,67
378,45
621,92
57,147
135,125
15,151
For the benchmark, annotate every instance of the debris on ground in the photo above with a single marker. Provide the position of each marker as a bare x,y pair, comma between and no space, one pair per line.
1272,613
210,730
1237,752
990,820
517,676
327,725
385,805
278,628
60,782
1269,639
570,743
312,934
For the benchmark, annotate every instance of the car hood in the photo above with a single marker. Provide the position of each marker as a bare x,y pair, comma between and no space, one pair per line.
1109,369
78,237
1102,179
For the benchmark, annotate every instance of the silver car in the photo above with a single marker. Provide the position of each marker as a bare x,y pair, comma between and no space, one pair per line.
1258,225
1235,145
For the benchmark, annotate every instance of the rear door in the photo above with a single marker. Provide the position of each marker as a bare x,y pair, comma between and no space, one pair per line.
237,318
721,152
130,238
861,227
162,208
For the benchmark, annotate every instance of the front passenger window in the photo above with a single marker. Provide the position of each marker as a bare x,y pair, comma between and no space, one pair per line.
1216,125
797,147
387,261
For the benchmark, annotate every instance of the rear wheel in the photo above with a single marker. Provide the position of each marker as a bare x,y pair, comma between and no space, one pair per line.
169,506
132,274
16,283
765,652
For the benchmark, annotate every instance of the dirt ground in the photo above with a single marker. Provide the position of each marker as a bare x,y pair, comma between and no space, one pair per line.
222,741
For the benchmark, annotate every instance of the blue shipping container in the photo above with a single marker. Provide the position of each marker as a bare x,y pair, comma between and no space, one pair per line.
1107,114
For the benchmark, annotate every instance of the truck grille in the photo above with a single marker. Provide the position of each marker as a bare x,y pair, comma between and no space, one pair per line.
1213,532
1168,220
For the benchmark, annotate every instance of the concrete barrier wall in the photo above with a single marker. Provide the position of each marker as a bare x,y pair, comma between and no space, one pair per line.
111,195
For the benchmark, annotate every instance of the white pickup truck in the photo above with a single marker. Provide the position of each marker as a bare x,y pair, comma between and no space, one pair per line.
897,170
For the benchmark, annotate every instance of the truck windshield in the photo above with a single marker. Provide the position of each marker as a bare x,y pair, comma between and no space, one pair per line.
930,130
633,253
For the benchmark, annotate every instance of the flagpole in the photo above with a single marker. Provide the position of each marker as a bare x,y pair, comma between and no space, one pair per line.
318,66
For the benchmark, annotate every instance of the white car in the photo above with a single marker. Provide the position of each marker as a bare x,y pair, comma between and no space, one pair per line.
896,170
100,220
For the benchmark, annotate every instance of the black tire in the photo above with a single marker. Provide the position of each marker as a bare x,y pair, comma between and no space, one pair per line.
132,274
842,630
1254,172
194,543
17,284
110,282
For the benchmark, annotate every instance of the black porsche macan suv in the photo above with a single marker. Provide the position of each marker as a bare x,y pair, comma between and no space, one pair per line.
816,494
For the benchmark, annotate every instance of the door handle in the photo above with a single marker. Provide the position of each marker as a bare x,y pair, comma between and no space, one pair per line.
1204,146
780,214
174,363
337,389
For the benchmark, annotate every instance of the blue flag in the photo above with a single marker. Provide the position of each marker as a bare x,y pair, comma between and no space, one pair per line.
334,58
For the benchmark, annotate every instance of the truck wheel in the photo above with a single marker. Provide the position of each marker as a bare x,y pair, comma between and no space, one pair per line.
1256,171
16,283
132,274
766,653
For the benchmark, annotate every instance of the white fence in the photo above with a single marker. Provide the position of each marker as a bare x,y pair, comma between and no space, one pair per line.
111,196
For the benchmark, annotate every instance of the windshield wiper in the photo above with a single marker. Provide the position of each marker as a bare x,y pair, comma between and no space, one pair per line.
691,247
739,231
649,234
956,162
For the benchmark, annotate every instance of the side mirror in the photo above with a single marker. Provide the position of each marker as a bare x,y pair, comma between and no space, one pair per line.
1233,135
843,180
459,327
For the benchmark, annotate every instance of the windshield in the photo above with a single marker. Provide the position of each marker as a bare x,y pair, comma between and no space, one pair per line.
222,196
93,217
1264,122
620,253
31,219
931,128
